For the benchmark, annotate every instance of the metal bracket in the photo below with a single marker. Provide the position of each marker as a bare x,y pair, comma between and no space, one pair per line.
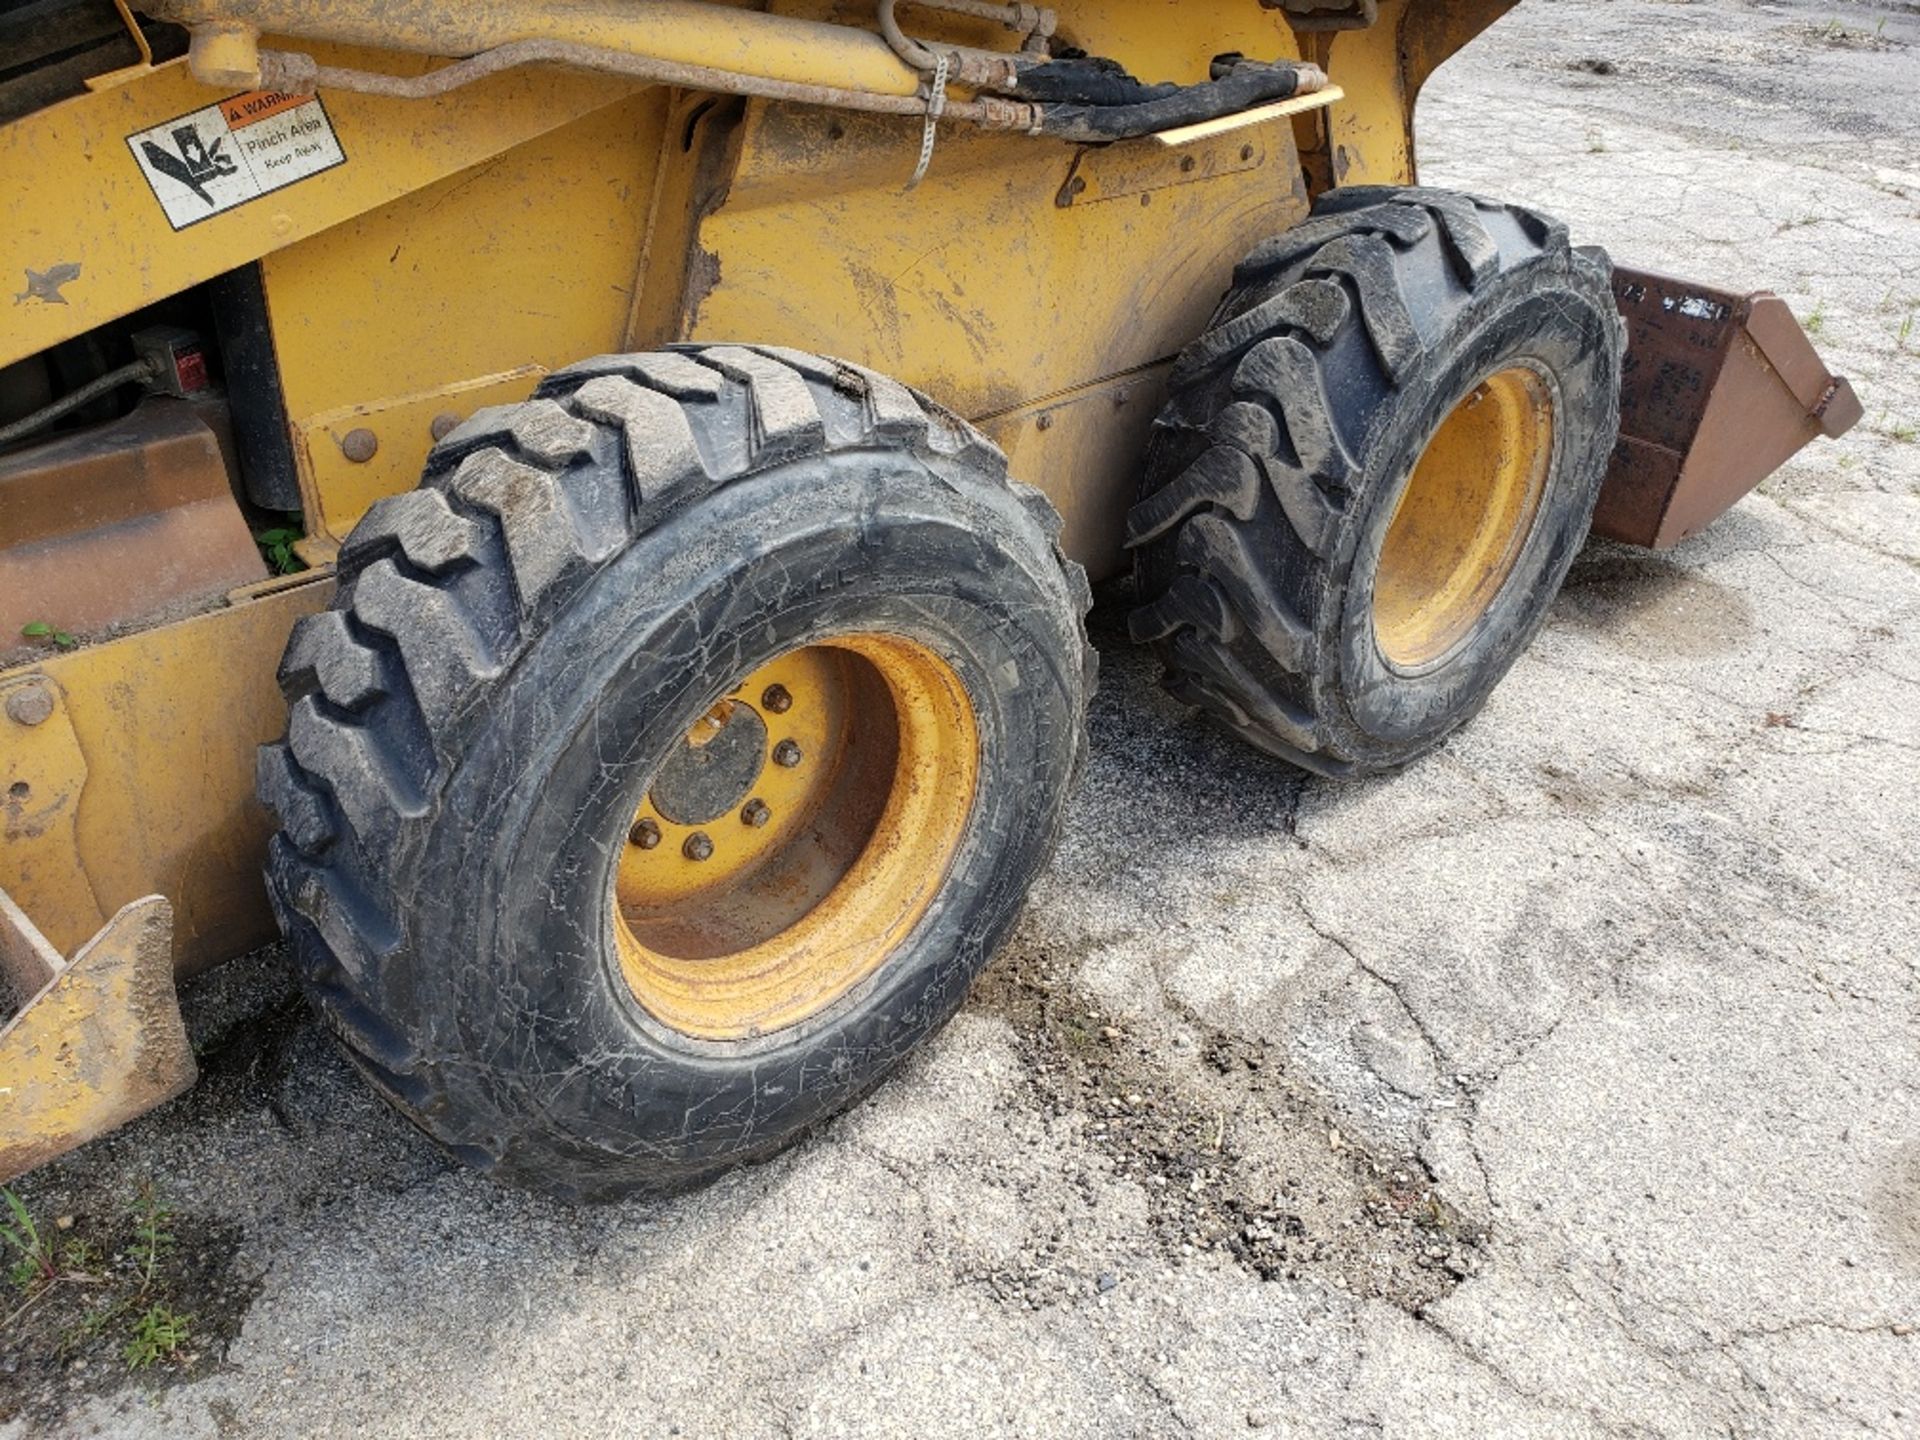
102,1040
1309,16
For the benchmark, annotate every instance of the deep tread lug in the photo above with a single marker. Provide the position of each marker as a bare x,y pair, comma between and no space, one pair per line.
1223,476
299,806
1317,307
671,373
786,421
323,655
542,546
1217,549
1190,602
539,430
1285,369
1367,260
1403,223
420,525
443,657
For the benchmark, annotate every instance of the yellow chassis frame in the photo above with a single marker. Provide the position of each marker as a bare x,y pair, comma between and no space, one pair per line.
472,241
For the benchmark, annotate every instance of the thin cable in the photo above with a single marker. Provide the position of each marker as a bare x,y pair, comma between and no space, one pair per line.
936,107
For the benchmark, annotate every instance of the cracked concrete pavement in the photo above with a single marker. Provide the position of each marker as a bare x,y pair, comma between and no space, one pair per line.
1567,1084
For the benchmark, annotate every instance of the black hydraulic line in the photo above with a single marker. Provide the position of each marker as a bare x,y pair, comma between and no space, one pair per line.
138,372
1089,100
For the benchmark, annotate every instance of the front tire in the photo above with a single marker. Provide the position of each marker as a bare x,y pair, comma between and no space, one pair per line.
671,761
1373,472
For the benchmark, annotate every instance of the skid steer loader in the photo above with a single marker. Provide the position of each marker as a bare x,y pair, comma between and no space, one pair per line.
618,481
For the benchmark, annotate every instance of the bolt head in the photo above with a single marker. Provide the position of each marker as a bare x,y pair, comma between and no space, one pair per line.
443,425
776,699
645,834
755,814
30,705
786,754
359,445
698,847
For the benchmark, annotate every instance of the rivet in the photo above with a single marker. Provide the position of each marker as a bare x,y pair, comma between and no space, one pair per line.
698,847
755,814
786,754
30,705
443,425
776,699
359,445
645,834
1186,163
1146,197
1045,422
1246,152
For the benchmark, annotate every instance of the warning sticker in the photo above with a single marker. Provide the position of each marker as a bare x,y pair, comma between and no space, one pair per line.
227,154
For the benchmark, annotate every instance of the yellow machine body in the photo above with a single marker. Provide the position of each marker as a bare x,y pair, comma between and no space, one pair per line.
465,243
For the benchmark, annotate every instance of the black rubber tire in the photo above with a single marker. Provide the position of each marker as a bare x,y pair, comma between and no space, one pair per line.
1291,428
513,650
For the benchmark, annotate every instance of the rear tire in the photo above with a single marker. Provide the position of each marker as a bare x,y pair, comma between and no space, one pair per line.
545,908
1373,472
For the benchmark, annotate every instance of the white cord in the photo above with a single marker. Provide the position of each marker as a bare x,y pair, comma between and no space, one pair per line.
936,107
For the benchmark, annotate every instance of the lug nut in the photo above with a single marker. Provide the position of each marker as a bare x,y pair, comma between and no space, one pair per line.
755,814
645,834
776,698
698,847
786,754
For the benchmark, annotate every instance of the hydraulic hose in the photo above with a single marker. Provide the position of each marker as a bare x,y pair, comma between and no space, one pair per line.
138,372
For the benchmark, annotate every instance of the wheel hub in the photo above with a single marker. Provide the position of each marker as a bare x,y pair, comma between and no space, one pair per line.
715,766
795,836
1463,518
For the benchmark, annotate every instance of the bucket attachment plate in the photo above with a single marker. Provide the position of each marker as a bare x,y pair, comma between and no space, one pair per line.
99,1038
1720,389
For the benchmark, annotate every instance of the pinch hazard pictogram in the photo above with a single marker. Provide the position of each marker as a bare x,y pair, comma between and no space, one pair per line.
207,162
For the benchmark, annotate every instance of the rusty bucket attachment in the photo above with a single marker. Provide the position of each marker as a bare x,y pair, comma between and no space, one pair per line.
98,1039
1720,390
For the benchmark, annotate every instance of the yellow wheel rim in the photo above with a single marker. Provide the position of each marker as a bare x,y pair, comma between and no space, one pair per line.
1463,518
796,837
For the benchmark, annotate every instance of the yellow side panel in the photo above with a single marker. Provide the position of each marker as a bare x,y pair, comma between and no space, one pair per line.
166,722
1371,138
995,283
83,206
425,305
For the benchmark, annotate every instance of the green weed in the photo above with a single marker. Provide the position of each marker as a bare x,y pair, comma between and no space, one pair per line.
35,1266
276,547
42,630
151,1236
157,1335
